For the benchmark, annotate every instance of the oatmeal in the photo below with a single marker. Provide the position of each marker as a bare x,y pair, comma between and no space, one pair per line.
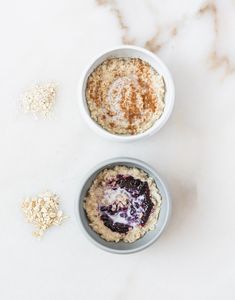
122,204
125,95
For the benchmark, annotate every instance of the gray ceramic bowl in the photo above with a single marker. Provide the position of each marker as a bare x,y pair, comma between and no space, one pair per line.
121,247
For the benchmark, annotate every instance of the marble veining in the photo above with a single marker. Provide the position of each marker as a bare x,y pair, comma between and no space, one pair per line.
216,60
155,44
126,39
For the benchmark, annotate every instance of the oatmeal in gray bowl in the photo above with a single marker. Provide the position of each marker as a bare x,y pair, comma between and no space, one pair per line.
122,204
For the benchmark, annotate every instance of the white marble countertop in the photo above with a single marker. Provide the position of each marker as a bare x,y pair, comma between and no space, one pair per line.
54,40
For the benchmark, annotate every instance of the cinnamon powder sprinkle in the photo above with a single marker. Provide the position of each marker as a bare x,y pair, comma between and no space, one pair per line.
125,95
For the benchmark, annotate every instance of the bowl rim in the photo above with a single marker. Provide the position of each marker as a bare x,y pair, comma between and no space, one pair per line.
139,164
158,124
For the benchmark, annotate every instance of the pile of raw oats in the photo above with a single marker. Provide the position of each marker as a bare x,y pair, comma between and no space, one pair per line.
43,212
39,100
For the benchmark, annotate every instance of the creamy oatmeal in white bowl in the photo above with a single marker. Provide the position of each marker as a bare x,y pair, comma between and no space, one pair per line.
123,205
126,93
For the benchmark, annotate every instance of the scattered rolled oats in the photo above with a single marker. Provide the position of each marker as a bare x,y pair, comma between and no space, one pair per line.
43,212
39,99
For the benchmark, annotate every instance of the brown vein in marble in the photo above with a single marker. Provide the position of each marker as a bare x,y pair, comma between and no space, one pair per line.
155,44
216,60
102,2
126,39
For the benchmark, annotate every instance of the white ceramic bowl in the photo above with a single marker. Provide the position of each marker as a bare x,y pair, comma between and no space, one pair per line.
121,247
156,63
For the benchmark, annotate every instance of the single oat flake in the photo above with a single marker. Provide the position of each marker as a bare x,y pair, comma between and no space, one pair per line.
43,212
39,100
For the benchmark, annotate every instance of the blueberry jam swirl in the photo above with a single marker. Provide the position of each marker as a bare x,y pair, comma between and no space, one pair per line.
129,203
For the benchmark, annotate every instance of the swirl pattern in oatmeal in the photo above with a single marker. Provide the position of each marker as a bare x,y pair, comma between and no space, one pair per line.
125,95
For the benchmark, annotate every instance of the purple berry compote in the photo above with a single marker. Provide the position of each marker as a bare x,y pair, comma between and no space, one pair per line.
129,203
